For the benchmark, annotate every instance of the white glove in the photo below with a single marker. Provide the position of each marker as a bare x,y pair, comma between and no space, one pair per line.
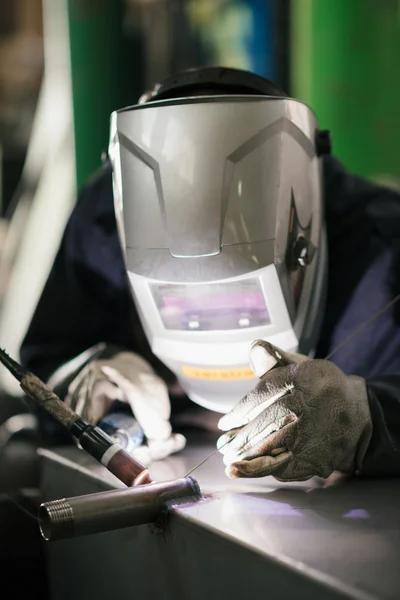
128,378
305,418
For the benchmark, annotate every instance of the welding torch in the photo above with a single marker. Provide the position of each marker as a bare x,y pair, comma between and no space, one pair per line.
91,438
104,511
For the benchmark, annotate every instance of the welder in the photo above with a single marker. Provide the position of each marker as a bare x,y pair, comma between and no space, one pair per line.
219,218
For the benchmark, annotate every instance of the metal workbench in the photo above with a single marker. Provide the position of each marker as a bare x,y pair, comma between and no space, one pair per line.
338,538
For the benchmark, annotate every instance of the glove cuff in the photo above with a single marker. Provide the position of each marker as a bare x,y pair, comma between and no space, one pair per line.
362,422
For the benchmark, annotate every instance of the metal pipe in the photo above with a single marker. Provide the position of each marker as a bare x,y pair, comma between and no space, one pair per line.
106,511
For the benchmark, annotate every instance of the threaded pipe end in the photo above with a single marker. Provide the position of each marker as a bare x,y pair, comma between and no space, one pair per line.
56,520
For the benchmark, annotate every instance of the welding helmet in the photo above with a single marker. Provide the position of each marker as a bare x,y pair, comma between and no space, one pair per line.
217,191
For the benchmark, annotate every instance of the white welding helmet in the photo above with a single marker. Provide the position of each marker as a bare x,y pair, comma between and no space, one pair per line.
219,210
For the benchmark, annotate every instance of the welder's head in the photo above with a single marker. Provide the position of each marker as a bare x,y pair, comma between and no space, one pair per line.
217,189
211,81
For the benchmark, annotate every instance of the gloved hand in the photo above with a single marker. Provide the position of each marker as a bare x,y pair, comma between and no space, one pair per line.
304,418
128,378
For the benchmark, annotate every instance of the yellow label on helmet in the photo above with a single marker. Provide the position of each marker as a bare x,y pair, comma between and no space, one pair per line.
218,374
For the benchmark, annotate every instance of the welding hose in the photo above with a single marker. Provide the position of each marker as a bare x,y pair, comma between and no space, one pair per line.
116,509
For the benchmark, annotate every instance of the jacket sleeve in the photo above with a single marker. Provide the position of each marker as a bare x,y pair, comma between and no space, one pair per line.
352,204
86,299
383,454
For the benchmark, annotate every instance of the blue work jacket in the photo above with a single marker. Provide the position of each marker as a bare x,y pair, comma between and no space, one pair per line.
87,299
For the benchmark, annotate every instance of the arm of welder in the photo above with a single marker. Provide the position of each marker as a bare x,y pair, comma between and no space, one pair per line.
83,295
86,298
383,454
86,303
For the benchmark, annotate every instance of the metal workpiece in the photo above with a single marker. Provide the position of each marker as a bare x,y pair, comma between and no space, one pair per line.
116,509
336,539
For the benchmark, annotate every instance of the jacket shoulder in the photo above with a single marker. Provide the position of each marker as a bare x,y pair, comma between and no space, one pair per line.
96,195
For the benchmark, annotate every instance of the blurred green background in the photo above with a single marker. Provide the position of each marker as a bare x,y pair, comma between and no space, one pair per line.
345,64
339,56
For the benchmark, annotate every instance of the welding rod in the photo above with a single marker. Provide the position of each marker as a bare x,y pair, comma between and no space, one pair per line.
106,511
92,439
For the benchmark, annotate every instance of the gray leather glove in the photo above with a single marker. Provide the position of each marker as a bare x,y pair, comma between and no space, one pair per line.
128,378
305,418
